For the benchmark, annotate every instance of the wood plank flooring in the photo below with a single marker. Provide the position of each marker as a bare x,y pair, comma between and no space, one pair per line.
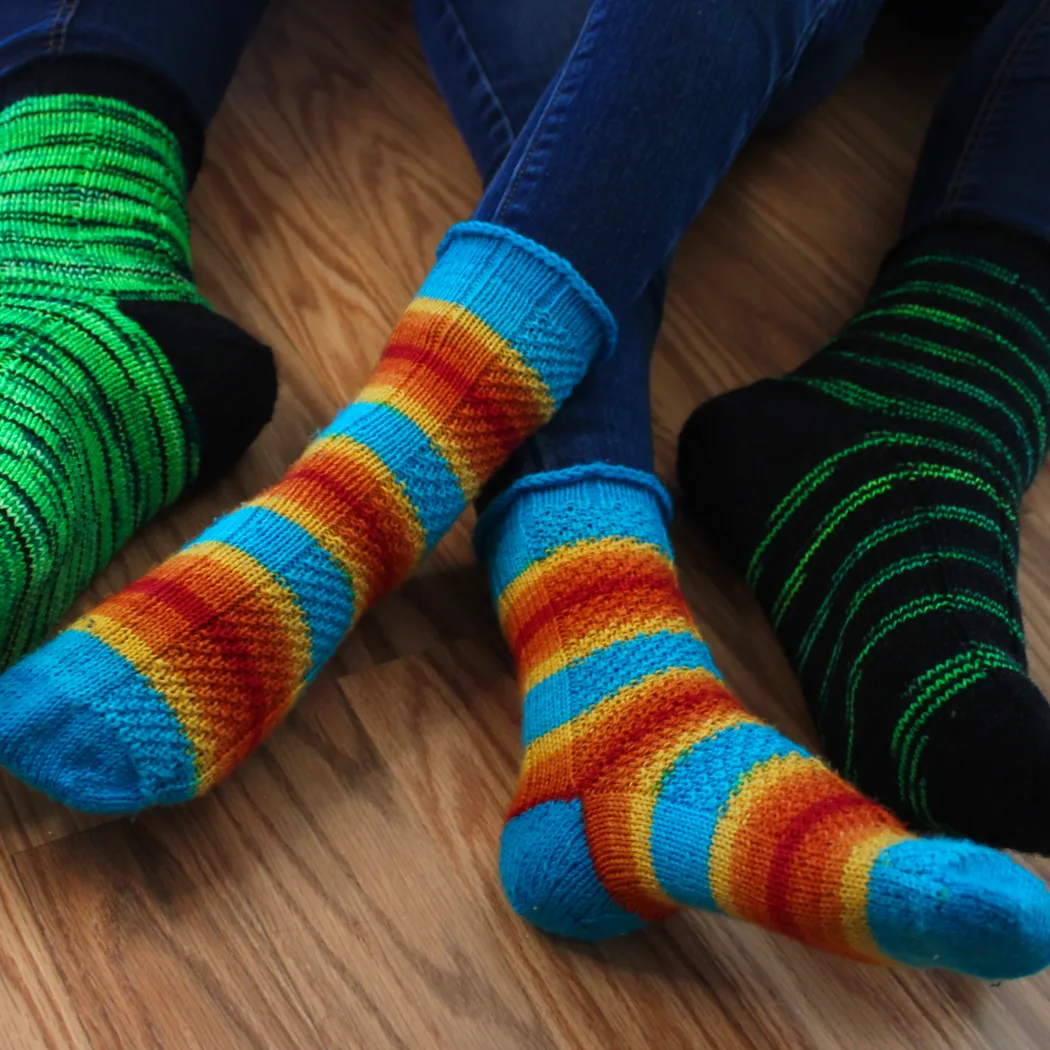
341,891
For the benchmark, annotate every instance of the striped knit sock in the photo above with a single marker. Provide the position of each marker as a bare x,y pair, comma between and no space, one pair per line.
163,689
872,498
115,378
646,786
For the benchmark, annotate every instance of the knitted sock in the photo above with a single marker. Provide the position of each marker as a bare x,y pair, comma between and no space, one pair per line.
118,386
646,786
872,498
163,689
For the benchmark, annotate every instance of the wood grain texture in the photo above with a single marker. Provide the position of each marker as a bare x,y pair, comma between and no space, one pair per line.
341,891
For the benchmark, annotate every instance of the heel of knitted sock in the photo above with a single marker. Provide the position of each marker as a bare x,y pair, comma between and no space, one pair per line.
228,377
549,877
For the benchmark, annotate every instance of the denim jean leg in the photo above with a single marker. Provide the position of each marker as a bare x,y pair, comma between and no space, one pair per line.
492,63
194,44
987,153
641,123
835,49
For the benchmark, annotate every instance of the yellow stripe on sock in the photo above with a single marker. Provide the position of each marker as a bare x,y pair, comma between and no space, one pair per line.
602,638
333,529
856,877
643,799
733,822
594,719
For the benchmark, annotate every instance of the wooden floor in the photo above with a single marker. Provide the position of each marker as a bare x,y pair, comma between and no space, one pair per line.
341,891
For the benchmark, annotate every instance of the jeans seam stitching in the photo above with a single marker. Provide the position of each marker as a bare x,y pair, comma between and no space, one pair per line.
473,56
57,34
555,96
989,105
784,78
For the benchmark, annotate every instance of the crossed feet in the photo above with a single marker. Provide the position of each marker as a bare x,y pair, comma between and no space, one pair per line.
872,497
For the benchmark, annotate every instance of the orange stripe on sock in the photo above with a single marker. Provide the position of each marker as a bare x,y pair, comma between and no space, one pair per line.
636,780
782,846
463,385
350,502
769,795
247,654
806,876
550,659
496,420
618,829
591,597
608,742
807,862
241,644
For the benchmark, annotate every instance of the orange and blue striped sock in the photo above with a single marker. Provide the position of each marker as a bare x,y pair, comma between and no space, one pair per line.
163,689
646,786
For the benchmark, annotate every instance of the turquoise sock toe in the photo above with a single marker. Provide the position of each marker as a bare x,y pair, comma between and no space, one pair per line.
990,919
93,744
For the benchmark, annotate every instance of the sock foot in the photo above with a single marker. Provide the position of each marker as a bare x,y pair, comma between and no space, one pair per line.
872,500
645,787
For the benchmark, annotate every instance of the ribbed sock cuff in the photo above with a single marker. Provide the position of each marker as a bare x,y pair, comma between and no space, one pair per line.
561,507
111,78
582,309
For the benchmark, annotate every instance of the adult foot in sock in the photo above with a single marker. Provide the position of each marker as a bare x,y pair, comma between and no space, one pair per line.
872,499
119,387
163,689
645,785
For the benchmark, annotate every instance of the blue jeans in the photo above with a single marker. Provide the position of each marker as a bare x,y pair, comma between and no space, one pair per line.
652,102
194,44
494,59
987,156
642,106
987,153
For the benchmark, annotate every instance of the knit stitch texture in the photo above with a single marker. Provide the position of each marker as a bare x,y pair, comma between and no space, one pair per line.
161,691
645,786
872,498
98,431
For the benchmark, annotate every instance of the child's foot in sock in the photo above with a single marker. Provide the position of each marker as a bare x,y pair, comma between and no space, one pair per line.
646,786
163,689
119,387
872,499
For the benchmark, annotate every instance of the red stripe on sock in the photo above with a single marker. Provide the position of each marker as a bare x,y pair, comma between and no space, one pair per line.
365,520
466,395
790,841
611,851
489,413
635,593
613,750
220,631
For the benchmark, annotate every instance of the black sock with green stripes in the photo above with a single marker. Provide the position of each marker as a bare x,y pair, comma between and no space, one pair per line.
872,499
119,386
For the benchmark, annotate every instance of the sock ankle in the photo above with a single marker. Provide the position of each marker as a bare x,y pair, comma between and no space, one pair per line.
162,690
872,500
645,786
119,387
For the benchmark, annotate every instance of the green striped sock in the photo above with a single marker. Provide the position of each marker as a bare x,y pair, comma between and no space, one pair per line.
119,387
872,499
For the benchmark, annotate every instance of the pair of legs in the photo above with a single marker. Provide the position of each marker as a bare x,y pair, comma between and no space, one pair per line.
645,785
